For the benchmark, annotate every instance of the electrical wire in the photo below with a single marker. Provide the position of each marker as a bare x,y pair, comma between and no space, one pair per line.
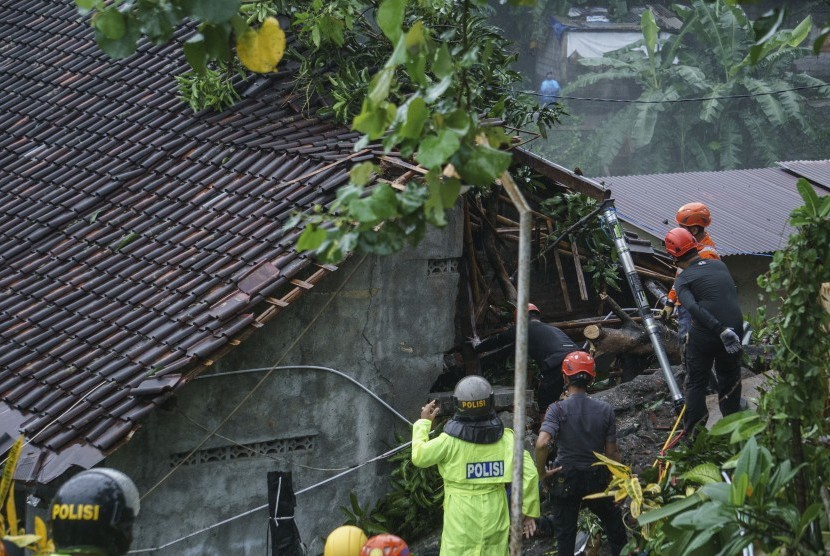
258,384
55,420
312,367
343,471
291,367
384,455
693,99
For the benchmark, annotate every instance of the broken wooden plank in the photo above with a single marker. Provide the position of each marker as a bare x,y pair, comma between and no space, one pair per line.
564,285
580,276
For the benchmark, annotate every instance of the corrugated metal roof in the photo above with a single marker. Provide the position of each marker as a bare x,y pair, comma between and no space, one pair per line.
817,171
750,208
138,240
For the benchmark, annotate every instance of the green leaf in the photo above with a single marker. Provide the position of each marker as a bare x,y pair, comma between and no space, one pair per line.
379,87
670,509
435,150
739,486
434,206
390,18
496,136
374,119
215,11
438,89
809,515
703,474
416,38
650,31
384,202
195,51
84,6
734,424
450,191
398,56
458,121
361,173
311,238
124,46
483,165
126,240
442,66
416,68
110,22
416,116
217,41
811,200
800,33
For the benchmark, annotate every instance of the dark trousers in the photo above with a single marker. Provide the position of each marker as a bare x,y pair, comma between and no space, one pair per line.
567,501
549,388
701,351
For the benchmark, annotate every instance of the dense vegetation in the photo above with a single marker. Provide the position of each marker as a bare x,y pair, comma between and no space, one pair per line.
756,108
427,80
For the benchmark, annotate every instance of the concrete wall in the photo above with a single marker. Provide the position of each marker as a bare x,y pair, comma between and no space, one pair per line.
387,327
745,271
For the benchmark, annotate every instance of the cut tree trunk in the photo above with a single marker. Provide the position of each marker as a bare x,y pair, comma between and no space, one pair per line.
631,340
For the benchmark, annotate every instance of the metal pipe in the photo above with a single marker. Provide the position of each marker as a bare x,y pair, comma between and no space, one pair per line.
615,231
520,377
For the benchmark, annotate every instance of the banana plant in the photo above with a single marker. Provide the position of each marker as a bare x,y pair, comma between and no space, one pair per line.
714,57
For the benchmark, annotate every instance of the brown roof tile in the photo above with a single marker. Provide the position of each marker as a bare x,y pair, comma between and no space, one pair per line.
137,239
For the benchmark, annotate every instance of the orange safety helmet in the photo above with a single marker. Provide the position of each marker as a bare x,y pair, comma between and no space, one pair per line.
679,241
385,545
693,214
579,362
531,308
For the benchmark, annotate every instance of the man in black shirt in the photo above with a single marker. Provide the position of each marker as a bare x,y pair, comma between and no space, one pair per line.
546,345
707,290
579,426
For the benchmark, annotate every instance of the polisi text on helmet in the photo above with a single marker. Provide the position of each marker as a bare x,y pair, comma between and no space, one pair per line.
475,404
85,512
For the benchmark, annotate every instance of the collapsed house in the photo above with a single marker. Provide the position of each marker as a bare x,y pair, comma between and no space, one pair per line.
144,246
157,318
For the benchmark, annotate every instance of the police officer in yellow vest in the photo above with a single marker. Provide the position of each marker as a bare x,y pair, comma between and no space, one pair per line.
474,455
93,513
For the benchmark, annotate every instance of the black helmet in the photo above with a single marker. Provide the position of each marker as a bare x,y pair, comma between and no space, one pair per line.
95,510
474,399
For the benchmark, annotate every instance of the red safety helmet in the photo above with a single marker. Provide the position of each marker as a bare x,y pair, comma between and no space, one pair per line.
385,545
579,362
693,214
531,308
679,241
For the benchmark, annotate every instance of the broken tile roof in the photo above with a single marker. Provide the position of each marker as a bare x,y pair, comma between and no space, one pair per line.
137,240
750,208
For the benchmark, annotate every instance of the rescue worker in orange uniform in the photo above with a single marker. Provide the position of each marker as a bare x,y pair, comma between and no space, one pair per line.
694,217
578,426
708,291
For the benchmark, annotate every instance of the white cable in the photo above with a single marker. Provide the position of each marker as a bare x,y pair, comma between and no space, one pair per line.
264,506
306,489
314,367
55,420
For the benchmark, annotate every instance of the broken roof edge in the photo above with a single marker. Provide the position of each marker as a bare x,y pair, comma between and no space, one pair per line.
34,459
560,174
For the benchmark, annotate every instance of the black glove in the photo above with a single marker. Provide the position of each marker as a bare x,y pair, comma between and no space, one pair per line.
730,340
